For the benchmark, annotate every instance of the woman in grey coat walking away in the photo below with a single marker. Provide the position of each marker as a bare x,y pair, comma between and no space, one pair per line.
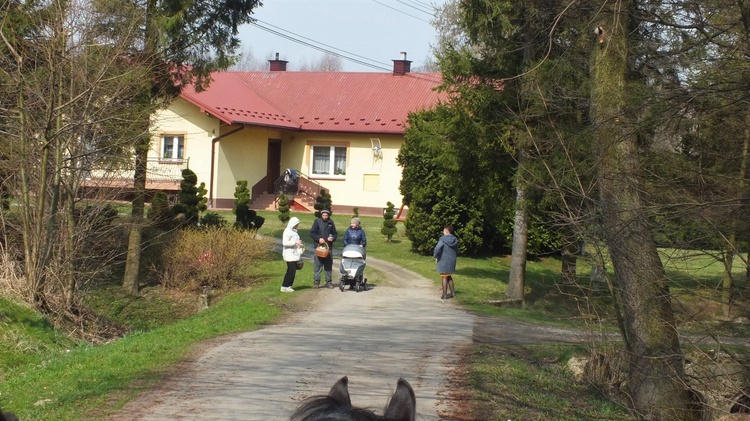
446,252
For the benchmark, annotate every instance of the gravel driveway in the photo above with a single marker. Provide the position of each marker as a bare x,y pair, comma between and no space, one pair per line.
399,328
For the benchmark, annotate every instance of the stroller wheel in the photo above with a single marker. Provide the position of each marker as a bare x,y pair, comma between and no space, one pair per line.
359,285
342,285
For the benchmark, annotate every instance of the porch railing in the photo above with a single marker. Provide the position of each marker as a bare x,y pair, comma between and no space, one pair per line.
297,185
157,171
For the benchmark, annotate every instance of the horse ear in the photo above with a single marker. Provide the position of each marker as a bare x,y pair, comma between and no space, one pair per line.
7,416
403,404
340,392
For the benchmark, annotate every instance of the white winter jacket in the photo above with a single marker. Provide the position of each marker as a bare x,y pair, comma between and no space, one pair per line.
291,252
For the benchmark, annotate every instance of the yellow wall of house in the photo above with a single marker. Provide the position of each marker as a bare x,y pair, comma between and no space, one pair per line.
370,181
198,128
242,156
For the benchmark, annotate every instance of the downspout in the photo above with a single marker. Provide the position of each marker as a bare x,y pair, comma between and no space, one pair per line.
213,160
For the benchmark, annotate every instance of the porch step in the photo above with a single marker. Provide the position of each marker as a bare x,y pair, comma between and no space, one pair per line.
267,202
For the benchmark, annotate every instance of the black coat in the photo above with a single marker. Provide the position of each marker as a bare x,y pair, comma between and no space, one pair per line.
322,229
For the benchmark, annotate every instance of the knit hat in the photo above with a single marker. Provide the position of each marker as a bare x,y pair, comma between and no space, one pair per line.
325,211
355,221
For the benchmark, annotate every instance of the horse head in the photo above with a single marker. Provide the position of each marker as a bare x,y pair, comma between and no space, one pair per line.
337,406
7,416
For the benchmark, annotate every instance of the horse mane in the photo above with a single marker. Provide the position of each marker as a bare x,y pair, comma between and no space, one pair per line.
7,416
337,406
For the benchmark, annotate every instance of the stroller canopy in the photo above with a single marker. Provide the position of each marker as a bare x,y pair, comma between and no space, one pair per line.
353,251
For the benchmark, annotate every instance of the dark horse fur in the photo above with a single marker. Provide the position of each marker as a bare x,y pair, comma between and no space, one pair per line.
337,406
7,416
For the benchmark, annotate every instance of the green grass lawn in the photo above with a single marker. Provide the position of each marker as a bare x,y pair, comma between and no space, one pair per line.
45,375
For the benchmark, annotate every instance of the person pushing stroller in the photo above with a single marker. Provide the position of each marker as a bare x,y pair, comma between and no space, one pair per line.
355,234
353,257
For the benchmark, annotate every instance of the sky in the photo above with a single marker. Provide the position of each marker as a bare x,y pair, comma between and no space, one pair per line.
370,33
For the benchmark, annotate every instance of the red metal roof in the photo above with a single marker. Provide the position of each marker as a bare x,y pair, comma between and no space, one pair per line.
318,101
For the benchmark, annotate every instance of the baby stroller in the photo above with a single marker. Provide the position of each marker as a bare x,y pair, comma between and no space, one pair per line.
352,268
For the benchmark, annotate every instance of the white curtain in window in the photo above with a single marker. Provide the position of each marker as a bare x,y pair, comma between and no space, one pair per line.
174,147
321,160
339,161
168,146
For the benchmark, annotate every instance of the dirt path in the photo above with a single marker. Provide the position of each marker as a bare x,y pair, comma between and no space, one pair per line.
399,328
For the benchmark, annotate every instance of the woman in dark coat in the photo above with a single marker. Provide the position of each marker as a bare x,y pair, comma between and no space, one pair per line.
446,252
355,234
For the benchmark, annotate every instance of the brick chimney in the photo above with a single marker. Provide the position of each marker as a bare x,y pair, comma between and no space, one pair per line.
403,66
278,65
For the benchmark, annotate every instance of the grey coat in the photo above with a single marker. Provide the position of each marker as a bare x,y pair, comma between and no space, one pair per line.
446,252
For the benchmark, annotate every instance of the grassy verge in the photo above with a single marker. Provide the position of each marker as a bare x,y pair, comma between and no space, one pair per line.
63,381
45,376
530,383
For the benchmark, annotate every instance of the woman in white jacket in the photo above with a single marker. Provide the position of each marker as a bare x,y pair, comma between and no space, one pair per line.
291,252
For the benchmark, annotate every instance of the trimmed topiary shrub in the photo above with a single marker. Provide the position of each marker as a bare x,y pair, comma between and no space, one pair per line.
213,220
246,218
323,201
188,200
284,210
389,224
160,213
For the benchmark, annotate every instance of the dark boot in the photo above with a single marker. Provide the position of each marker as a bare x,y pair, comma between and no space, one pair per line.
452,289
445,288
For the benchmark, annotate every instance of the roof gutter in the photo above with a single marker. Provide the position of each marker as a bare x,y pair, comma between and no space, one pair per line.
213,160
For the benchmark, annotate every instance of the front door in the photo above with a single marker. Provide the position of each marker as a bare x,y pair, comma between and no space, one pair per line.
273,169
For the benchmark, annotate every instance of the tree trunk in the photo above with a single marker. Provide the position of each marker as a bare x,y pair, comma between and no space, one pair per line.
70,263
744,6
133,264
726,283
24,178
569,259
517,277
655,369
743,193
727,287
70,276
33,202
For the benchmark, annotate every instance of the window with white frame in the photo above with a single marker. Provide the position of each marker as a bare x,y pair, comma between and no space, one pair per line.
328,160
173,147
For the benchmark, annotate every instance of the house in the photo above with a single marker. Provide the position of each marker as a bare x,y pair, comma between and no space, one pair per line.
294,132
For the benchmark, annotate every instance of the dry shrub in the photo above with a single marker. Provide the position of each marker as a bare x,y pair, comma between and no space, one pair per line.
691,306
12,282
211,258
606,371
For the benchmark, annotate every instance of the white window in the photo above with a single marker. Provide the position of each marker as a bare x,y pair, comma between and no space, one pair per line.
173,147
328,160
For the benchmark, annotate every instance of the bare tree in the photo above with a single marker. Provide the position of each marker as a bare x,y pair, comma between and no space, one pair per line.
429,65
329,63
326,63
181,44
248,62
72,110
